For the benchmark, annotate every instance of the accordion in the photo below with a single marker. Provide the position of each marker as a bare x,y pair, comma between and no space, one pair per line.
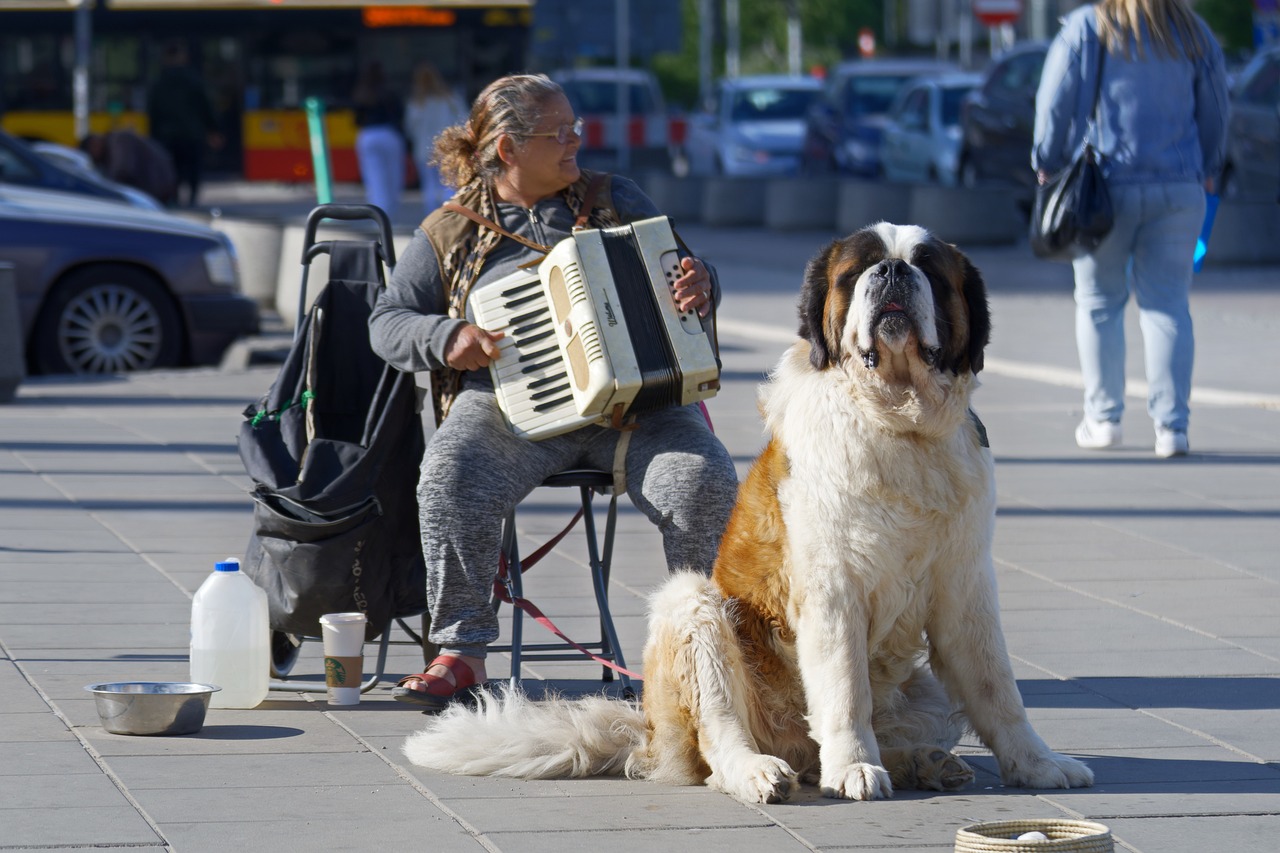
594,334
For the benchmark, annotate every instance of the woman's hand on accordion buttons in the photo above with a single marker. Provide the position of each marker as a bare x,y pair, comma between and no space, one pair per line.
693,288
472,348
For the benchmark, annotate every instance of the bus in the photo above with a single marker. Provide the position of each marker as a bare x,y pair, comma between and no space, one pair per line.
261,60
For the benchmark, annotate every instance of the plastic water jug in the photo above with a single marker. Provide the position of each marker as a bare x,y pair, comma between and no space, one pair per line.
231,637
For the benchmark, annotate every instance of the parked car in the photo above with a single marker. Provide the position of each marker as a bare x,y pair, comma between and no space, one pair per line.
56,167
753,127
844,127
1253,141
104,287
922,133
998,118
593,93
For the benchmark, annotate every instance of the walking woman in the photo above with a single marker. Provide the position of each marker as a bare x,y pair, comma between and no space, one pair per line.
1160,130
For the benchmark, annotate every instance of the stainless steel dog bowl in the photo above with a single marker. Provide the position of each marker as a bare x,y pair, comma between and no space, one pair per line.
152,707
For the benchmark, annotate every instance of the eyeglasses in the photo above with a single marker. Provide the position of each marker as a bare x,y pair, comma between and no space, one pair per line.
562,132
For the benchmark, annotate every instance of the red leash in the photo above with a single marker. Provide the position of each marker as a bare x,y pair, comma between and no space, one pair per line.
500,590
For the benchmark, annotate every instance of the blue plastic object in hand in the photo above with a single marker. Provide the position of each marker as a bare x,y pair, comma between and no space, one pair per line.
1202,244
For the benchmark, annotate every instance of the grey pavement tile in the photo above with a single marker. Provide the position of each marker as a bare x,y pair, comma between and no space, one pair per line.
233,733
432,831
54,560
703,840
97,586
653,807
1254,731
57,791
1065,567
17,696
45,758
911,819
46,578
1121,662
85,610
277,769
83,539
1088,729
148,638
33,726
1198,833
335,805
93,826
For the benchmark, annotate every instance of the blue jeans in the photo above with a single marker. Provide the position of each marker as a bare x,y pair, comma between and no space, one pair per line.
1148,251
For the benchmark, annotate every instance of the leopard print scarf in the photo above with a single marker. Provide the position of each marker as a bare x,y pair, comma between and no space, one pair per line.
461,265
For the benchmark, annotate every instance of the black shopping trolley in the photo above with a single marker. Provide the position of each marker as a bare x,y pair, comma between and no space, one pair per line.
333,449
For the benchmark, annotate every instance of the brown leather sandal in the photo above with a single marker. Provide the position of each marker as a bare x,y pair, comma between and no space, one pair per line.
437,692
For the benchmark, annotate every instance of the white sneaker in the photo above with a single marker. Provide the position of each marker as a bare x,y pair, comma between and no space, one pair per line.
1171,442
1098,435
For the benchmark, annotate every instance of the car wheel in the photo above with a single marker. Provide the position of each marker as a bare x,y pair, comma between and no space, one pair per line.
107,319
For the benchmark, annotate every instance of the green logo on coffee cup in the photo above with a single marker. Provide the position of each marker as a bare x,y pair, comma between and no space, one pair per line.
334,672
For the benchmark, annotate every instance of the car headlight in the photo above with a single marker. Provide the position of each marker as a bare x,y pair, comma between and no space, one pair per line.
859,151
744,154
222,265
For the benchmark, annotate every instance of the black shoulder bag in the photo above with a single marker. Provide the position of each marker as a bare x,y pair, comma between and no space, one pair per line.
1072,211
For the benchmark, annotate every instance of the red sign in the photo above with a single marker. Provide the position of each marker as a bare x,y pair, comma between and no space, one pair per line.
996,12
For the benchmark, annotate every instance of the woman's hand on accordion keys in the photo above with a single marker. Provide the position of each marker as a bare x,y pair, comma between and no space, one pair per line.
693,288
472,348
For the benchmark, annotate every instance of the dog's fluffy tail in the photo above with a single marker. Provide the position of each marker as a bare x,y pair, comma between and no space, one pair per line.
508,734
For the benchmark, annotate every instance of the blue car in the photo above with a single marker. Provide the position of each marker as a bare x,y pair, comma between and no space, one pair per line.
104,287
754,127
845,126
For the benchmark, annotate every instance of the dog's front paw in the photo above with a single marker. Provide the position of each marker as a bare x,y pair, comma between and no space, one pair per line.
1047,770
928,768
857,782
758,779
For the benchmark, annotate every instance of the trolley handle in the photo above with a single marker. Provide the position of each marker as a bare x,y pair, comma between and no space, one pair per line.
348,213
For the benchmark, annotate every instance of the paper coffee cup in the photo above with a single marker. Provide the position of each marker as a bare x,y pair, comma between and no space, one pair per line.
343,635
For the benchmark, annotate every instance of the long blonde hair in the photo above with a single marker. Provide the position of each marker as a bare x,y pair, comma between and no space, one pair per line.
1174,29
511,105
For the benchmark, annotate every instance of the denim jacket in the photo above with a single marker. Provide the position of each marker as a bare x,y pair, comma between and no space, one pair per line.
1160,119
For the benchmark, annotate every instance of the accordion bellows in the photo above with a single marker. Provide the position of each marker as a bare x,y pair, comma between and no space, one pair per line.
594,334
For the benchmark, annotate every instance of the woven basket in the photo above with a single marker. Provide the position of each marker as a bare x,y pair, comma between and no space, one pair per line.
1076,836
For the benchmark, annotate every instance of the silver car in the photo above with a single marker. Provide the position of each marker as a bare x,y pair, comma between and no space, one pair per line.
753,128
922,136
105,287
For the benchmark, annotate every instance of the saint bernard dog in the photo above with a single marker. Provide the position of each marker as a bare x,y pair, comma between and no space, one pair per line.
850,630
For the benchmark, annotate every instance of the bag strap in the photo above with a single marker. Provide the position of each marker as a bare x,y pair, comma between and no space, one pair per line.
1097,88
493,226
589,199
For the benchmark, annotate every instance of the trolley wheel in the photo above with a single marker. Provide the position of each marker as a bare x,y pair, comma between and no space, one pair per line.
285,650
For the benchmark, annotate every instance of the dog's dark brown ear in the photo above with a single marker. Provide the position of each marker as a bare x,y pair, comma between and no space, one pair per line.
975,297
813,302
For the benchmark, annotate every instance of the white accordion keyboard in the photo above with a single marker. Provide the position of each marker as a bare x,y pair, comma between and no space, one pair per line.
594,333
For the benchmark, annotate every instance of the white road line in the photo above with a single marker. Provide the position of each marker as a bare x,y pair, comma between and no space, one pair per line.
1044,373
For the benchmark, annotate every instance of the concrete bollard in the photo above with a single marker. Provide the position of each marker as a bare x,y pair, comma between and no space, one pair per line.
257,243
967,216
733,201
1245,232
679,198
290,270
863,203
801,203
12,360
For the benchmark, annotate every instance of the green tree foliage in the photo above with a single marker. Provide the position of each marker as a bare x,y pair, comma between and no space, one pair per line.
1231,20
829,32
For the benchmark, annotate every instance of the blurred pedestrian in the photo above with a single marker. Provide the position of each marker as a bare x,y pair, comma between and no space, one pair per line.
432,107
181,118
380,146
134,160
1160,132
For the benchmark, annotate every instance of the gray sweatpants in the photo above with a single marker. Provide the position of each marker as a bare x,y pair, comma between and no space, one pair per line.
475,471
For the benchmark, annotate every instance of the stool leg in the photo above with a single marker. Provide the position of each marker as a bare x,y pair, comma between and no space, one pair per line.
612,649
515,589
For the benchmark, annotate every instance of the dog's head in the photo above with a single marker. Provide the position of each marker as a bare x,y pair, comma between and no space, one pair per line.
895,298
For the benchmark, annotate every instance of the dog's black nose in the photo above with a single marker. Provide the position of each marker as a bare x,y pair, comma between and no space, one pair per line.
895,269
